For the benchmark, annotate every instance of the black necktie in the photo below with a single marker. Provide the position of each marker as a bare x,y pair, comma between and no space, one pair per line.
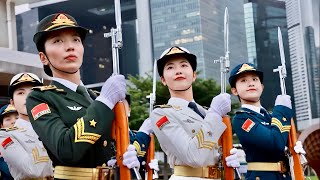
194,107
83,91
265,114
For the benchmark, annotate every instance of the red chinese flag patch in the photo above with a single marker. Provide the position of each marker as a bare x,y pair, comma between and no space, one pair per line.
162,122
247,125
7,142
39,110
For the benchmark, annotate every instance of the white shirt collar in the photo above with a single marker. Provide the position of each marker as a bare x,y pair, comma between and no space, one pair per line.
67,83
178,101
252,107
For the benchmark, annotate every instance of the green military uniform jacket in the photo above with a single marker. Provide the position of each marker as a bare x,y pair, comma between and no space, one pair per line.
74,132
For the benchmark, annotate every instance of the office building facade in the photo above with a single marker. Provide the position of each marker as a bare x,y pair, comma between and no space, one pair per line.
198,26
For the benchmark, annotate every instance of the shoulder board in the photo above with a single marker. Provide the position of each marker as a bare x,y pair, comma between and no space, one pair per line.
96,92
242,111
163,106
9,129
205,107
47,88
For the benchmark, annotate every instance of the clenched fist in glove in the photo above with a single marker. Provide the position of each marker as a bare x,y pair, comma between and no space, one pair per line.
284,100
221,104
113,90
233,160
146,127
130,158
298,148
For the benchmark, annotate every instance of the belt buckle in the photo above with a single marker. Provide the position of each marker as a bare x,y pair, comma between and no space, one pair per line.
283,167
105,173
214,172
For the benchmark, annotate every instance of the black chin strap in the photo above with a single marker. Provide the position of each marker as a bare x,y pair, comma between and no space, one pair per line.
180,90
59,69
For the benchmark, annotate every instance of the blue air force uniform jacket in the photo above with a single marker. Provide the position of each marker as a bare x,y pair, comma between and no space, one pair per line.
263,139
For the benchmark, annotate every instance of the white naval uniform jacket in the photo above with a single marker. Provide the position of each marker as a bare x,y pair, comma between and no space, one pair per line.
185,136
24,152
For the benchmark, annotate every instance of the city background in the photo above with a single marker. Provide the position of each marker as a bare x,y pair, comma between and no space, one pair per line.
150,27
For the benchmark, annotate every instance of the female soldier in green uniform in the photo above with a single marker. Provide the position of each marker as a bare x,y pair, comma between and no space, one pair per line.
72,121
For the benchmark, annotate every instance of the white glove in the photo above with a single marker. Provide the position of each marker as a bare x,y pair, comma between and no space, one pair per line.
221,104
113,90
233,160
298,148
146,127
112,162
284,100
130,158
154,164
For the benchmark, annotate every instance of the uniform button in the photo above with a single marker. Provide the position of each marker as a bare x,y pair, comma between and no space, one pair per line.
193,131
143,145
105,143
284,175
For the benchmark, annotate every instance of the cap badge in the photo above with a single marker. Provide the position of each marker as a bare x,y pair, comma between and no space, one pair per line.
245,67
9,108
174,50
24,78
60,20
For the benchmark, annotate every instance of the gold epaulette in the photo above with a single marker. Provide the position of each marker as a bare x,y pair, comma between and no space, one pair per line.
9,129
47,88
163,106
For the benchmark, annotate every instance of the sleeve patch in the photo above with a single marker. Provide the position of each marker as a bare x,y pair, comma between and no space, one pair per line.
40,110
247,125
162,122
7,142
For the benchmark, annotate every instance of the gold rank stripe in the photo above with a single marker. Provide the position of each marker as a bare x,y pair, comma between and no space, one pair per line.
37,158
81,136
281,127
138,149
202,143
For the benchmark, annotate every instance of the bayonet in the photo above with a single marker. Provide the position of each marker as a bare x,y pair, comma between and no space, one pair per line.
283,74
116,44
224,60
281,69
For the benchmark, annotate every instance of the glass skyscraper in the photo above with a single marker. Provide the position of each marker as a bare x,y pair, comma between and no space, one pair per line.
262,19
198,26
97,16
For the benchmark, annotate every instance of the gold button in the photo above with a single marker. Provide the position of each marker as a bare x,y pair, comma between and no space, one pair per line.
105,143
193,130
104,165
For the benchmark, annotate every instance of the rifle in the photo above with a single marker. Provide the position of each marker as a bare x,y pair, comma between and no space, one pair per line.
120,125
296,168
226,138
152,99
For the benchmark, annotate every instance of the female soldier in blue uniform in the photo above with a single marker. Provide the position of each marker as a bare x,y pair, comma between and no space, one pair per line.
263,136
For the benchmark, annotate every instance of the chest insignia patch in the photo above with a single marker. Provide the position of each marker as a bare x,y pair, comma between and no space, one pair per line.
162,122
40,110
247,125
7,142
